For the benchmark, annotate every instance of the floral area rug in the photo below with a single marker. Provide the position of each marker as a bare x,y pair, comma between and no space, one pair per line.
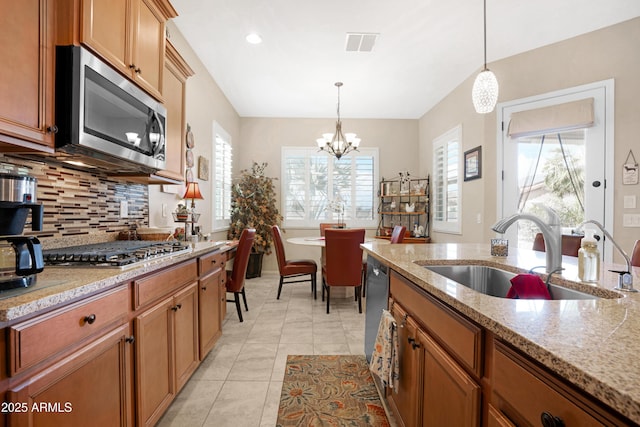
336,391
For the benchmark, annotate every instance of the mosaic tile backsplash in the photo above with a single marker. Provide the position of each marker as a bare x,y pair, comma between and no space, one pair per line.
79,203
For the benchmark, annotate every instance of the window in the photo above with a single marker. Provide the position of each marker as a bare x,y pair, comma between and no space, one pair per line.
222,178
446,182
313,182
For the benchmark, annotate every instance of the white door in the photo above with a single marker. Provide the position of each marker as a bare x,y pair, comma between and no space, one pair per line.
566,170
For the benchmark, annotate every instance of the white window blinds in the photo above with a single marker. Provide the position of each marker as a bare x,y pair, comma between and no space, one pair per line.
312,180
222,179
446,182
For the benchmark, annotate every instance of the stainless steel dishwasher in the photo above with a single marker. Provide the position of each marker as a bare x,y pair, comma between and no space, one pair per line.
377,296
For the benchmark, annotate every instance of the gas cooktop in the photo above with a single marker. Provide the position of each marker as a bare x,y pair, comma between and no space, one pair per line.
116,254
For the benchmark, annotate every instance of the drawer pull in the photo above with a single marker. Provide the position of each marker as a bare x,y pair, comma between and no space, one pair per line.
413,343
90,319
130,339
204,288
549,420
176,307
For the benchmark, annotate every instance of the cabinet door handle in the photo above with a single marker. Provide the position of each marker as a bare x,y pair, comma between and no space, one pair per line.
52,129
138,70
549,420
176,307
130,339
413,343
204,288
90,319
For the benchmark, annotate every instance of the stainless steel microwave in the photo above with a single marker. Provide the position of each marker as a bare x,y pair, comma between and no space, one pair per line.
104,119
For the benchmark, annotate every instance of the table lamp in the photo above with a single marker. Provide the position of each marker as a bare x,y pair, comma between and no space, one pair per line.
193,192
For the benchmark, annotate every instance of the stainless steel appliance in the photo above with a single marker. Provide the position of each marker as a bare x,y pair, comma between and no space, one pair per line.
377,296
20,256
117,254
103,119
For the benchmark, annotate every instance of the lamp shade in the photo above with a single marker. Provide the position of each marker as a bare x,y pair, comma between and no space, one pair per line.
485,92
193,191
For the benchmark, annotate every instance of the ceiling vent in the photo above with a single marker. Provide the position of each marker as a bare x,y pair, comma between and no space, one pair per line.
361,42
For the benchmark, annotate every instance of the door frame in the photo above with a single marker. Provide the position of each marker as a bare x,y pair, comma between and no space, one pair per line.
609,182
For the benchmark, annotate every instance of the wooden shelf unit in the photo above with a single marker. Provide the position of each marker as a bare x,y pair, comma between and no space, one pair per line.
395,196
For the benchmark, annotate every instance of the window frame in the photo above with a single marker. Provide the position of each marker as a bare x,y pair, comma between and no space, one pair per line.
310,152
442,142
221,184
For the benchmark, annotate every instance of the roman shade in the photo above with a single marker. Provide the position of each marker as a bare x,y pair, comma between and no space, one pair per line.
553,119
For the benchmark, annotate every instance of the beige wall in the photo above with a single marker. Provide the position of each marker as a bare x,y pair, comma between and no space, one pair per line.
406,144
263,138
608,53
205,103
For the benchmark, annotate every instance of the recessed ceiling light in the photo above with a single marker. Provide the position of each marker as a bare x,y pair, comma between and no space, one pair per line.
254,38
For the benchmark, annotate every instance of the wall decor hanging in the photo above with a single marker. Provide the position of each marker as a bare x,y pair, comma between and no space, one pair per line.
203,168
630,170
190,142
473,164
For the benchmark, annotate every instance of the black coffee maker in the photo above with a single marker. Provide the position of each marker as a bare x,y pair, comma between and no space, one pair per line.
20,256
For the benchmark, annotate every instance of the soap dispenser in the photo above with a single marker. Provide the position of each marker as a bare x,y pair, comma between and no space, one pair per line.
588,258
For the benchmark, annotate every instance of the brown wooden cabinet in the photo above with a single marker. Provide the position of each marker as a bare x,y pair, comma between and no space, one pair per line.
90,387
166,337
526,394
404,399
176,73
433,389
211,268
453,372
450,396
26,76
129,34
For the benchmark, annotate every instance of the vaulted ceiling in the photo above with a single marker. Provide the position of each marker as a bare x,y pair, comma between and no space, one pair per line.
423,48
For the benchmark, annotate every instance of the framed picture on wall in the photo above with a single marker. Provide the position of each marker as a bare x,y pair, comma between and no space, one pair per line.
473,164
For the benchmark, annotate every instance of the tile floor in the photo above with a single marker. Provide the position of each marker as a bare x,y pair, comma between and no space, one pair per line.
239,382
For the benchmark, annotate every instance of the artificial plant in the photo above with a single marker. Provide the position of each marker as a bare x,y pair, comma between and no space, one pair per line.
253,205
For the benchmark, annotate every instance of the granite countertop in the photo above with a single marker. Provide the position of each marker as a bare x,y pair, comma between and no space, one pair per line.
59,285
593,344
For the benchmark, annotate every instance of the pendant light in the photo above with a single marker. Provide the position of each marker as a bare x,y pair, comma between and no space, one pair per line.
485,88
337,143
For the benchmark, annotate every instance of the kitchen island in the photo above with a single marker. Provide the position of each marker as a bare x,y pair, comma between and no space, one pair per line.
590,344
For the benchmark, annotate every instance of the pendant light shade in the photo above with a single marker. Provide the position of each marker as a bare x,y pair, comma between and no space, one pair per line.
485,88
485,92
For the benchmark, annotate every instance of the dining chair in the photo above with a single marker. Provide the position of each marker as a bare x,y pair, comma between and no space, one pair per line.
570,244
235,277
291,270
635,254
343,266
323,227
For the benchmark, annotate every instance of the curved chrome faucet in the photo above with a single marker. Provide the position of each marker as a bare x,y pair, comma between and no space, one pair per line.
625,278
552,235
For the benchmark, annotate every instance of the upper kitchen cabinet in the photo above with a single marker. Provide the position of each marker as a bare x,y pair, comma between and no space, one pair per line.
26,76
129,34
176,73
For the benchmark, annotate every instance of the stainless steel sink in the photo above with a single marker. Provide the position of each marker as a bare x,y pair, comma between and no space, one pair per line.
496,282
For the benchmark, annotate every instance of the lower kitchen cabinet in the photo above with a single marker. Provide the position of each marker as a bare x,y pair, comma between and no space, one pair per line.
526,394
433,389
455,373
450,396
167,352
404,398
211,268
90,387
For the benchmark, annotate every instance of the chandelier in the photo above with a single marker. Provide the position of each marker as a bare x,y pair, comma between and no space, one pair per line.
485,88
338,144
